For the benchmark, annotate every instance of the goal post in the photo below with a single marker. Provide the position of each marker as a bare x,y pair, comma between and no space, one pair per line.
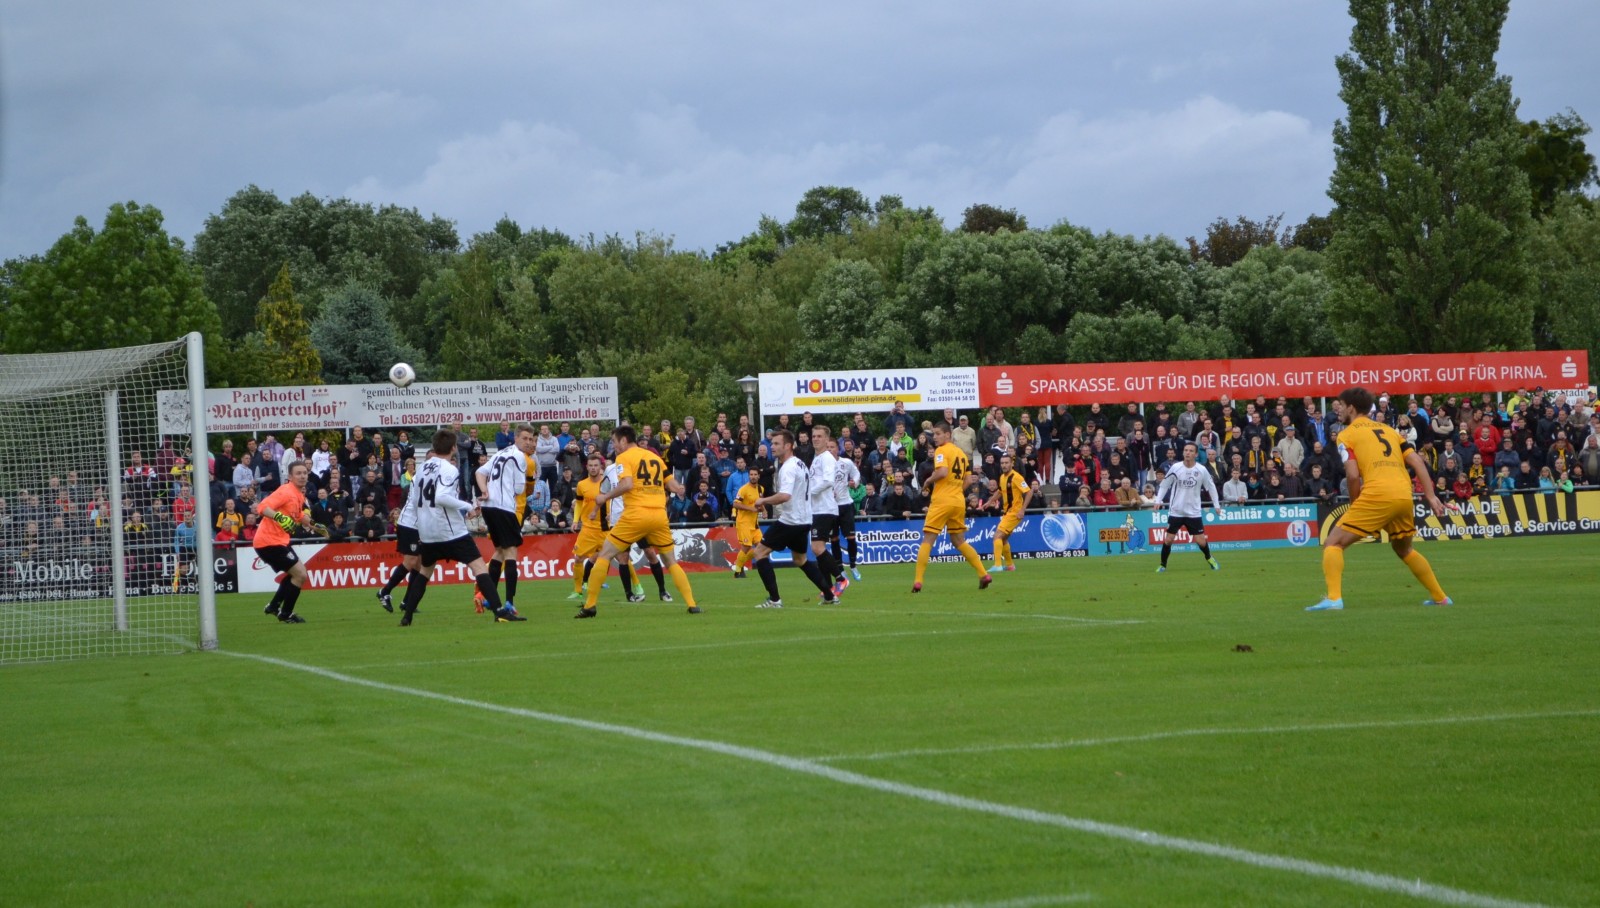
105,515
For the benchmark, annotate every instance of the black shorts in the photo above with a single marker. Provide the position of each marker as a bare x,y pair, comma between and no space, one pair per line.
461,550
779,536
406,541
847,519
505,530
1195,525
278,557
823,525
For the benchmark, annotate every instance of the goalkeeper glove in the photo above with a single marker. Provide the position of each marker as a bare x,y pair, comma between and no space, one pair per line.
284,520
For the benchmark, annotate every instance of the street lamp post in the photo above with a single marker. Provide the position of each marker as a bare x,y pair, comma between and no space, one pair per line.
749,384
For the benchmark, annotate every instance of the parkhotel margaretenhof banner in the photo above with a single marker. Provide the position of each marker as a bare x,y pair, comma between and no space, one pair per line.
535,400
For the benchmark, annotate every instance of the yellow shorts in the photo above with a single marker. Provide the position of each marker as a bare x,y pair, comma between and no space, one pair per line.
748,537
1009,523
589,541
645,527
1366,516
946,517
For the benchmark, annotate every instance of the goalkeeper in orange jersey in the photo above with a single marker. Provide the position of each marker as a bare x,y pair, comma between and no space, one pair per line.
1375,461
280,513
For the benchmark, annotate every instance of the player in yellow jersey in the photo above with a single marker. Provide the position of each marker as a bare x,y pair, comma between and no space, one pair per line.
1375,461
947,510
1013,497
643,486
593,525
746,521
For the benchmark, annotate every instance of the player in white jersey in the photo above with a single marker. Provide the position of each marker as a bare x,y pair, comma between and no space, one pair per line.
792,498
442,529
824,510
1181,490
845,478
406,544
502,490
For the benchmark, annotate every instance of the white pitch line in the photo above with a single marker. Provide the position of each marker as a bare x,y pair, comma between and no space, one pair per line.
1377,881
727,644
1202,732
1034,901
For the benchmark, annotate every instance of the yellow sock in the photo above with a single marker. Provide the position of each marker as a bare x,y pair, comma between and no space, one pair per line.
577,575
1423,571
741,561
1005,551
1333,570
597,576
923,551
973,558
681,581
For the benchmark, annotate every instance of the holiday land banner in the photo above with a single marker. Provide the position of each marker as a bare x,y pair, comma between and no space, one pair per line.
1087,383
869,390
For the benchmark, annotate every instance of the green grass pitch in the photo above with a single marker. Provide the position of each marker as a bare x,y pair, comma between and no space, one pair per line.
949,748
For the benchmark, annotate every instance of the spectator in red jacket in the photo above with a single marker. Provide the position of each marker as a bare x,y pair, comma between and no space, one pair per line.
1104,495
1487,441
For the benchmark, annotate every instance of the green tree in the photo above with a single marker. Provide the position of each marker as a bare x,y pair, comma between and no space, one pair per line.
1313,234
1431,208
356,337
325,243
1226,242
982,218
288,356
1139,335
1556,160
1116,271
850,321
984,289
488,308
828,210
1566,259
1272,303
128,283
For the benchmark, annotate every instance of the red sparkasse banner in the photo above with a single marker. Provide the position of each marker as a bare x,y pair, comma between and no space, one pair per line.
1313,376
352,565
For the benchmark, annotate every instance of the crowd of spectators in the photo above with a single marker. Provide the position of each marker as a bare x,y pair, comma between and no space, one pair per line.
1095,457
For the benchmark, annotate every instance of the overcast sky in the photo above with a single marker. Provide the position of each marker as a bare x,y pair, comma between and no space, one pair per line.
693,119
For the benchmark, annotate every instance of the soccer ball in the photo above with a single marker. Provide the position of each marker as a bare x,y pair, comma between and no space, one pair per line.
401,374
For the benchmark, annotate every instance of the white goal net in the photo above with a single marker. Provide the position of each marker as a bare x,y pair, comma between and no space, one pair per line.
105,539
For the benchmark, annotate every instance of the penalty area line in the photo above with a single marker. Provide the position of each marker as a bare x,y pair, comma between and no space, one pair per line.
1366,879
1205,733
915,613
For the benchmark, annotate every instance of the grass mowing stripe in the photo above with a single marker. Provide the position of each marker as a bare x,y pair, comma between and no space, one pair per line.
772,641
1206,732
1363,878
1036,901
